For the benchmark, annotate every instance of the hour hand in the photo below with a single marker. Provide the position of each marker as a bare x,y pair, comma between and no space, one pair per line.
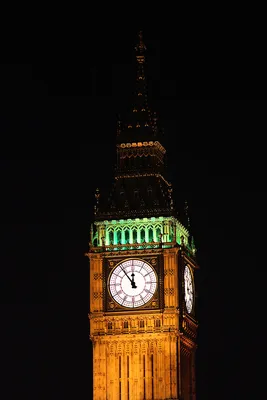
133,282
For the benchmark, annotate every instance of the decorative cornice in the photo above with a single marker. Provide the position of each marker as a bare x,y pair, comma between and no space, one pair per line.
118,214
139,175
125,252
141,144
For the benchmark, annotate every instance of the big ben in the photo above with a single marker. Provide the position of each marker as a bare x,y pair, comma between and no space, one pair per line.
142,262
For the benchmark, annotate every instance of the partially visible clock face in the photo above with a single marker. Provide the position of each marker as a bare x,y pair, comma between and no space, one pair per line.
132,283
188,288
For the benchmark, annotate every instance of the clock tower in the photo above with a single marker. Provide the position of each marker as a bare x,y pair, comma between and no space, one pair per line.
142,265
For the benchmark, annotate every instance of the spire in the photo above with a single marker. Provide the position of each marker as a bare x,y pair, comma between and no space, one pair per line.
140,105
140,125
139,183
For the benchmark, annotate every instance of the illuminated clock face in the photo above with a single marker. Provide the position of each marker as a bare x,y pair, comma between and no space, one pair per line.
132,283
188,288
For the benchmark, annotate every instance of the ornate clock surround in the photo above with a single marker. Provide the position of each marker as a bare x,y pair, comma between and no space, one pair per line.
185,260
157,301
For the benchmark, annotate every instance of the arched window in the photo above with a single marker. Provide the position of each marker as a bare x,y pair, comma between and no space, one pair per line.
143,235
135,235
127,236
111,237
119,236
158,232
150,235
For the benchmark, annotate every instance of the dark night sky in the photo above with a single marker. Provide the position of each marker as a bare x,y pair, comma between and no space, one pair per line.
58,126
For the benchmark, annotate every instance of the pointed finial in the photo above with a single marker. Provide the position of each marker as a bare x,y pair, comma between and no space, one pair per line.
186,213
91,234
170,195
97,195
193,247
155,124
118,126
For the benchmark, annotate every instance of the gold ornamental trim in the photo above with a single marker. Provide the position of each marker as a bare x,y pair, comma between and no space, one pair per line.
143,144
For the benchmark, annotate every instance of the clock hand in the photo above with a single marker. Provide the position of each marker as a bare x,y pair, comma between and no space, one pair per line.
127,275
133,282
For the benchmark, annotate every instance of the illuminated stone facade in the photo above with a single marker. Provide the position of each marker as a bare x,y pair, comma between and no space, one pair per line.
145,352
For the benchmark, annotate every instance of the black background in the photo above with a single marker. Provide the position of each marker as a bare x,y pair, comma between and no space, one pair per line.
58,126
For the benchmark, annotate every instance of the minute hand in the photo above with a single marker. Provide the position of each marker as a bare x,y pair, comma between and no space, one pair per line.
127,276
